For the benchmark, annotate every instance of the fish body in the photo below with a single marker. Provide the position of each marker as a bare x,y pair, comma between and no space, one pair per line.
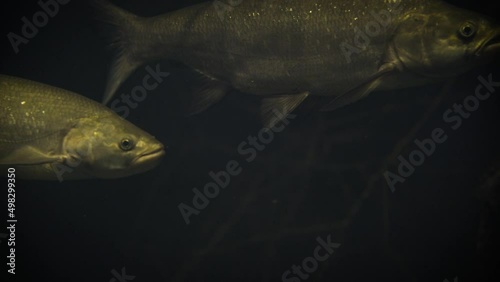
47,133
342,49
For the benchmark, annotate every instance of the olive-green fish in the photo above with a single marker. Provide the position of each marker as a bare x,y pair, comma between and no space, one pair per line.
47,133
289,50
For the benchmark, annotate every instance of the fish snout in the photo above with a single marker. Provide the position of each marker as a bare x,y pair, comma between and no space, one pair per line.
152,156
491,45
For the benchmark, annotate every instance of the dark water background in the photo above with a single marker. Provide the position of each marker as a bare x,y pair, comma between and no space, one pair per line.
321,176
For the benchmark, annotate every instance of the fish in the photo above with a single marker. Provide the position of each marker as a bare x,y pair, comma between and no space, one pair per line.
48,133
287,51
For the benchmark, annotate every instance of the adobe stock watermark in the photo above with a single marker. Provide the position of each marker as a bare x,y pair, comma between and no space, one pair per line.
139,93
40,19
362,37
121,277
248,150
453,118
227,6
310,264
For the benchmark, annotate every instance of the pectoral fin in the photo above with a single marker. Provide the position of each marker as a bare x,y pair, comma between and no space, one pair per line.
361,91
29,156
206,92
276,108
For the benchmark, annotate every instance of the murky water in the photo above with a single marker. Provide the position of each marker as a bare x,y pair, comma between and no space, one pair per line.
313,195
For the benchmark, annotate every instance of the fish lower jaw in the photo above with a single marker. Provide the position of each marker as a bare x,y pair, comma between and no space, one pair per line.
490,45
148,161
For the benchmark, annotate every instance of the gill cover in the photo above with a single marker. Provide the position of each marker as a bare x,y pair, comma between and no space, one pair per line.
439,44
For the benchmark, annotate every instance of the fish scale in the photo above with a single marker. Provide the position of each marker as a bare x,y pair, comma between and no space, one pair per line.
26,114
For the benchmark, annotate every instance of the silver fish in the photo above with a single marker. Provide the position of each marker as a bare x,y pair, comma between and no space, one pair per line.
47,133
289,50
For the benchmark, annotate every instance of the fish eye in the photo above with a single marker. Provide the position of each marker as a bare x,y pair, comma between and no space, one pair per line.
467,30
126,144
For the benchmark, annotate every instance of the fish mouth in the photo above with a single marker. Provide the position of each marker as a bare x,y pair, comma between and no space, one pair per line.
491,45
151,157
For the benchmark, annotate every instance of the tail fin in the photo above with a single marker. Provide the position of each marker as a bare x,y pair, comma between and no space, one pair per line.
123,25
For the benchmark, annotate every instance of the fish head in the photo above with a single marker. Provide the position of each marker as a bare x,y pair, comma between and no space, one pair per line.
445,41
112,147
